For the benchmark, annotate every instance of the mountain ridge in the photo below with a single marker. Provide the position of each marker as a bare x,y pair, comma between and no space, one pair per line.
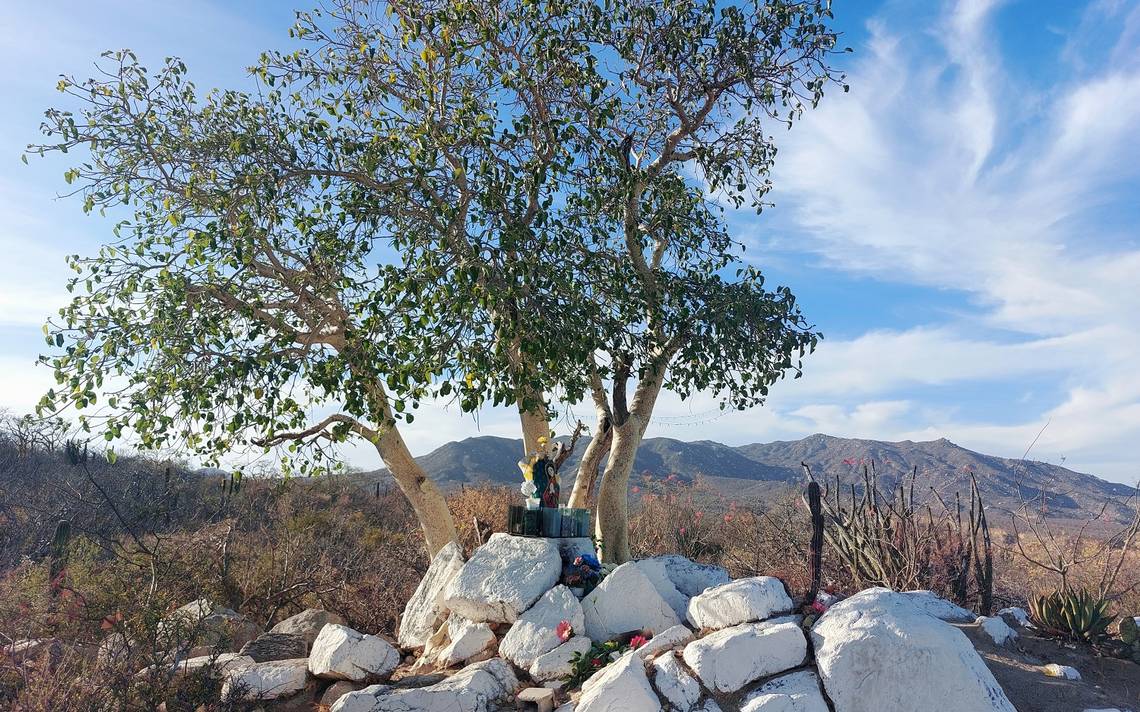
762,471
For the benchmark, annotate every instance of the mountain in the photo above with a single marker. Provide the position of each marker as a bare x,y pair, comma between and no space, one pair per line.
766,470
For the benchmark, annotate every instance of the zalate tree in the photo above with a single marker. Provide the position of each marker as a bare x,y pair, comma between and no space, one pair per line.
485,201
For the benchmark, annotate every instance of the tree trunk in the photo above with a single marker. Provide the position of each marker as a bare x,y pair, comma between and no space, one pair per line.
599,445
613,499
535,424
425,497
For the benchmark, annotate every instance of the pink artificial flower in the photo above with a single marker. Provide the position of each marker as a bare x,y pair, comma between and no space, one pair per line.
564,630
728,519
682,531
637,641
818,607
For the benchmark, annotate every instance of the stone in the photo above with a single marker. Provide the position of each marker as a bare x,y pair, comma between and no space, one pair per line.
690,577
307,624
341,653
622,686
534,632
675,684
203,621
114,648
275,646
33,650
997,629
536,699
1015,615
266,681
881,650
337,690
466,639
555,664
730,658
668,639
940,608
482,687
425,609
658,575
740,601
795,692
222,664
625,601
503,578
1063,671
710,705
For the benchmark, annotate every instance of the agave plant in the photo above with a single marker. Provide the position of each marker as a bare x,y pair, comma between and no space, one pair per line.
1068,613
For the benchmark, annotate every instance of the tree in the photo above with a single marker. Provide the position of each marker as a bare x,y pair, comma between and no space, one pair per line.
495,202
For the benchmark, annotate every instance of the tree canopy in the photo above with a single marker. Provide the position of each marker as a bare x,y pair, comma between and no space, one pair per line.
481,201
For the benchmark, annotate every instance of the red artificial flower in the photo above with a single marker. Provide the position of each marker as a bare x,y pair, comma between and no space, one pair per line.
637,641
564,630
818,607
596,662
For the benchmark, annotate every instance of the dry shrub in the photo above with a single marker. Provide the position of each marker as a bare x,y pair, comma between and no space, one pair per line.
487,504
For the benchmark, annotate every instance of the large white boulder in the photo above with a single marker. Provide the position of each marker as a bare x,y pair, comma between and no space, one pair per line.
740,601
425,610
503,578
307,624
466,639
534,632
668,639
729,659
881,650
481,687
556,664
620,687
658,575
341,653
265,681
795,692
939,607
624,601
675,684
690,577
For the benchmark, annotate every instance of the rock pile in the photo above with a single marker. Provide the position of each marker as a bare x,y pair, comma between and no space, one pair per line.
477,632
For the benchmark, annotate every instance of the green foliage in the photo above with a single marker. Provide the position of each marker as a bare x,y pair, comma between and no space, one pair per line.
468,200
584,665
1073,614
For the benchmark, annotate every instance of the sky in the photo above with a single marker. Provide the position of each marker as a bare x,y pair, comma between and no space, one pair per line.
962,225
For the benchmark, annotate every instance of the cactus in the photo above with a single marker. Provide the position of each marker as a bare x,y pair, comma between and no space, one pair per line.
816,563
1071,614
57,562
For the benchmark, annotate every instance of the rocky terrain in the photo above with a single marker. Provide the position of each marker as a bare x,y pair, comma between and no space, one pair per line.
501,629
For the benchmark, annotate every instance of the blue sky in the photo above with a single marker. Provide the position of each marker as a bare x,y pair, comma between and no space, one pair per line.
962,225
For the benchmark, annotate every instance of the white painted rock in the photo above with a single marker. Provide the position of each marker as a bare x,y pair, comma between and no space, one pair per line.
668,639
466,639
658,575
740,601
533,633
223,663
1018,615
675,684
626,600
503,578
1063,671
266,681
940,608
341,653
729,659
555,665
796,692
622,686
880,650
307,624
481,687
425,610
690,577
997,629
